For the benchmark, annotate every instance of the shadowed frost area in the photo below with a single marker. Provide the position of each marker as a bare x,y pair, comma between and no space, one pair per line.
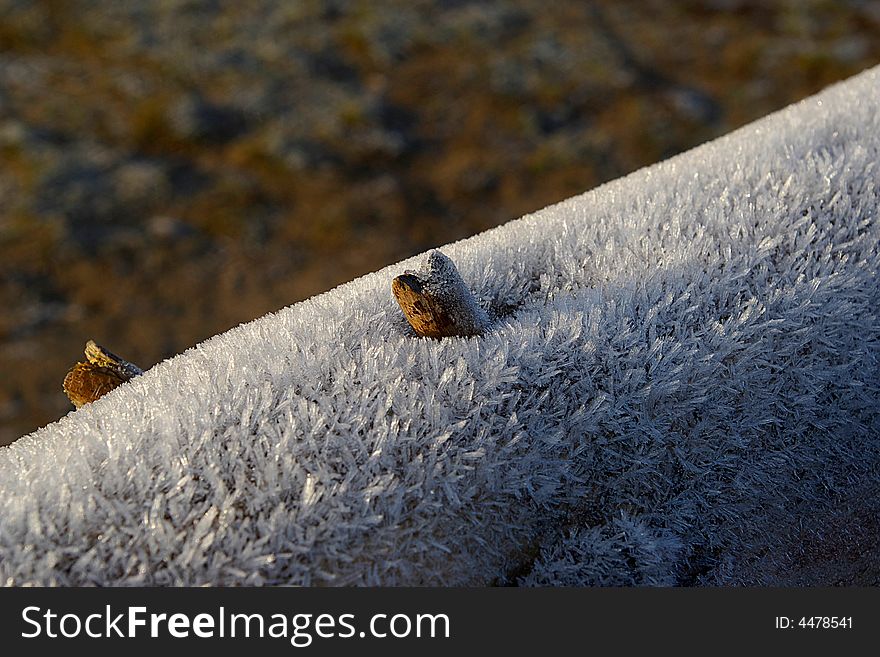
679,363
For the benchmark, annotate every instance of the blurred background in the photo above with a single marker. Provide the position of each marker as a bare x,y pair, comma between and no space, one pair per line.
172,168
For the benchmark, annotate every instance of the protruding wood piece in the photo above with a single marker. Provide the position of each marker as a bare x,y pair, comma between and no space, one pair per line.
436,301
102,372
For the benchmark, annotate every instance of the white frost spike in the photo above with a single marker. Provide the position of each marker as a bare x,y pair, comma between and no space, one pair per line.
436,301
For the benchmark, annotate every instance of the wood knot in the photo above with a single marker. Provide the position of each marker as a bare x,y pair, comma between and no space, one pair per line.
436,301
102,372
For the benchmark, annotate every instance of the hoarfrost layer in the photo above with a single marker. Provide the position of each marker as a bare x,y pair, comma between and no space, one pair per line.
681,362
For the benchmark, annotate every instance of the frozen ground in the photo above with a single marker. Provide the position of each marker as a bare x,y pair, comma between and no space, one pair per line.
682,367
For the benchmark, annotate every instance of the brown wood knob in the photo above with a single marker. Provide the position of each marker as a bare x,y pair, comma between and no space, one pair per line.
436,301
102,372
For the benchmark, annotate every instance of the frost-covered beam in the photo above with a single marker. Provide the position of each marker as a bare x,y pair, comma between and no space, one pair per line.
678,385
